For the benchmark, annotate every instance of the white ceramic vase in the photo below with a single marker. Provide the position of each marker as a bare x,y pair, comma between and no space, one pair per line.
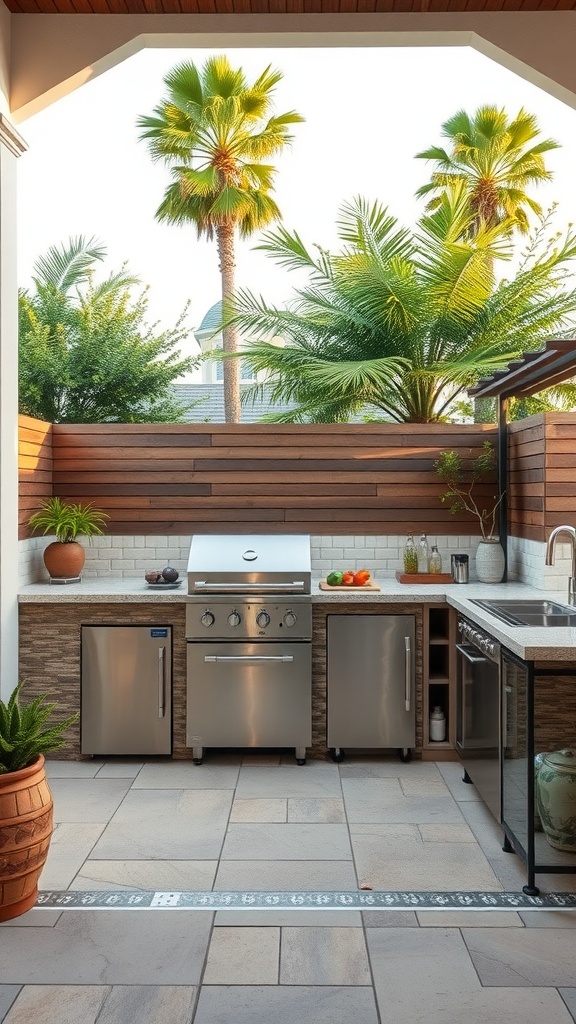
490,562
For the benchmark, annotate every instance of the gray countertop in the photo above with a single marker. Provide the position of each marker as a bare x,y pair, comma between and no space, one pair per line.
531,643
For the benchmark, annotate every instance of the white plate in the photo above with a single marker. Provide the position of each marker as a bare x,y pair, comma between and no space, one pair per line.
164,586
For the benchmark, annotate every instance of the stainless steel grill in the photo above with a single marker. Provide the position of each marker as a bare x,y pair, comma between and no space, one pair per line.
249,565
249,630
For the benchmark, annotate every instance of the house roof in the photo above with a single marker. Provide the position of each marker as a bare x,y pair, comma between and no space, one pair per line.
211,318
206,403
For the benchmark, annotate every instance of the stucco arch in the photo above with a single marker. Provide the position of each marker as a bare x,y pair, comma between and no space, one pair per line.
52,55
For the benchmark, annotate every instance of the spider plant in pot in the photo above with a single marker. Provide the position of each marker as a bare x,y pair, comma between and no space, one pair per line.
463,477
64,558
27,732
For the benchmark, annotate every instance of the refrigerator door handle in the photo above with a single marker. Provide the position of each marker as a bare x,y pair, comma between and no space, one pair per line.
408,669
161,683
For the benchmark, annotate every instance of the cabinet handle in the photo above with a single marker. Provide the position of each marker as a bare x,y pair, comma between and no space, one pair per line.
161,684
408,668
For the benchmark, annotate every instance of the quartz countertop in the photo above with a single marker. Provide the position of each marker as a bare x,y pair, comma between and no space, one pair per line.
528,642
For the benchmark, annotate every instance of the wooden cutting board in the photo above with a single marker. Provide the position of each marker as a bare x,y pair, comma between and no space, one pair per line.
424,577
366,586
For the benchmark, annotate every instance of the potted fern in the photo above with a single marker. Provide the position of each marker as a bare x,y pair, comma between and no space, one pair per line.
64,558
27,732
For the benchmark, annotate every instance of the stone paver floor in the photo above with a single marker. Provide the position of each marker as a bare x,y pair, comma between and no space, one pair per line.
239,825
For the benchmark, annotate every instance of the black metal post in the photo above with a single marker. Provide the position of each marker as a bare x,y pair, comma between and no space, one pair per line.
503,477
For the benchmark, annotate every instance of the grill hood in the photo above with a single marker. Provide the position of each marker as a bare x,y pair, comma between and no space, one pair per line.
249,564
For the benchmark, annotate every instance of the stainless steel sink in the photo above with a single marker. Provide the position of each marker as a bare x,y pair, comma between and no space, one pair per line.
530,612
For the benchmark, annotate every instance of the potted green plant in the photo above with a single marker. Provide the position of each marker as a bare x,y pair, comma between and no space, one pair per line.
462,476
26,734
65,557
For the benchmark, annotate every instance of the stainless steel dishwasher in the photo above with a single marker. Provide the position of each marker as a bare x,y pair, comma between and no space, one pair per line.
371,683
126,698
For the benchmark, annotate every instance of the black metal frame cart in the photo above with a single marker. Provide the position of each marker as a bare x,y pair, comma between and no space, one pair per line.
519,819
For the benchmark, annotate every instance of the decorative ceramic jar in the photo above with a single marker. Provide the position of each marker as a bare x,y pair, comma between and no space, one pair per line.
556,792
490,562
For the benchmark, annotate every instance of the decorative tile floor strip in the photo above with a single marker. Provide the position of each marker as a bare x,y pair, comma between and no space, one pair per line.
137,899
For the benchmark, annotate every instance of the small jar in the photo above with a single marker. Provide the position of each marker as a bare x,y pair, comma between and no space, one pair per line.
437,725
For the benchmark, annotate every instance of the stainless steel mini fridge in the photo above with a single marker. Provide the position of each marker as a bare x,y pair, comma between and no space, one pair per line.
371,682
126,699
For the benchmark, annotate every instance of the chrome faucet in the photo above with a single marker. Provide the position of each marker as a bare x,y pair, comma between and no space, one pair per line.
550,546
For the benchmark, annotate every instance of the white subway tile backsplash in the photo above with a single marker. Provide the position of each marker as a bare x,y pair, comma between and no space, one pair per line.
133,555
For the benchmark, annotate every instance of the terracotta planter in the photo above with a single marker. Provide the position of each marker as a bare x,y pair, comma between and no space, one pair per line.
64,559
25,833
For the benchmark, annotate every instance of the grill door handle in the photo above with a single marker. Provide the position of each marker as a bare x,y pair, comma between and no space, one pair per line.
247,658
275,587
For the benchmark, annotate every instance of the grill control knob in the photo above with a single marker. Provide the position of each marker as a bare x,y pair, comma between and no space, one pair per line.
234,619
262,619
290,619
207,619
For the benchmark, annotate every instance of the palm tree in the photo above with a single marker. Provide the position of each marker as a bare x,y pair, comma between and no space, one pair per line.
497,160
214,130
402,321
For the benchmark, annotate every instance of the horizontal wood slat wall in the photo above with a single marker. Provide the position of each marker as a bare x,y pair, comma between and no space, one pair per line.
217,478
34,467
542,474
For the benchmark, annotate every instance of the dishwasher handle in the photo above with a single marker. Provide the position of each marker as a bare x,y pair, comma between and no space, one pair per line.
161,683
408,671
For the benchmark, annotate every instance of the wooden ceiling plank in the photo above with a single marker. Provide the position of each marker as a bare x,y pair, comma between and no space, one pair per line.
26,7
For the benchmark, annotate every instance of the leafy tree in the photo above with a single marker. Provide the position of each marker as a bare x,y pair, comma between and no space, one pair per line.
496,159
215,130
405,321
86,352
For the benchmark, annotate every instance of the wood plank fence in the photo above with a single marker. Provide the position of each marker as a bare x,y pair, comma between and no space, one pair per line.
542,472
174,479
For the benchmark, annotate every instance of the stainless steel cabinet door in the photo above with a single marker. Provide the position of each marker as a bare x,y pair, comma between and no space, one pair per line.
126,705
371,681
249,695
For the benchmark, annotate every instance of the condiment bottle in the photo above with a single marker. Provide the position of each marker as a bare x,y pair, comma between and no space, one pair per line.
435,560
423,554
410,555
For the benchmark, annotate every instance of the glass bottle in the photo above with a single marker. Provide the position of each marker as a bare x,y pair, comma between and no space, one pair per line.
423,554
435,560
410,555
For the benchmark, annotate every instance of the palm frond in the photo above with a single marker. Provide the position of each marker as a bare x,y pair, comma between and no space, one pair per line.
69,264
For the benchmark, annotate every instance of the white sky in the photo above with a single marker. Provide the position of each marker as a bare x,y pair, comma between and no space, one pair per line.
368,111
